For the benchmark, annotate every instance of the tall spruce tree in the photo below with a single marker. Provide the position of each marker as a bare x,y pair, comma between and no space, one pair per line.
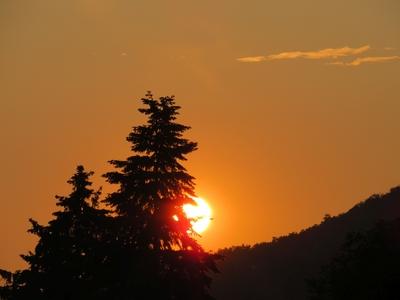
161,258
68,258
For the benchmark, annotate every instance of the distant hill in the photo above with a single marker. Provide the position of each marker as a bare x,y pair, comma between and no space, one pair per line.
278,270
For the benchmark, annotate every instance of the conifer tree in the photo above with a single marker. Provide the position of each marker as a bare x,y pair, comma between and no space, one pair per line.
68,258
162,259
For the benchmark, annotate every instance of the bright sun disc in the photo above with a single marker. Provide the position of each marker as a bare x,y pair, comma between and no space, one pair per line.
200,213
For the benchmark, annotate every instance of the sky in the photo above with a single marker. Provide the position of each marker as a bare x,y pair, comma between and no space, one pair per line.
295,104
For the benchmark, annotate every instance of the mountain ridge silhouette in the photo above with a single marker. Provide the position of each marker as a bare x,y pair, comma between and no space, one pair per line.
279,269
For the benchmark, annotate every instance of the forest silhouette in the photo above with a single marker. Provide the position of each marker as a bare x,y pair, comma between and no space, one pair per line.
137,242
134,248
348,256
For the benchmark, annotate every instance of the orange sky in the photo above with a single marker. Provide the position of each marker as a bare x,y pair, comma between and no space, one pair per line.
295,104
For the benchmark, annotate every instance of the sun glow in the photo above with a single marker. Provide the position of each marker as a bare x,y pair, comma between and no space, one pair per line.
199,213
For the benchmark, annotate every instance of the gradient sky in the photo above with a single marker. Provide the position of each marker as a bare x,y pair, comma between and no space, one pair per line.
295,104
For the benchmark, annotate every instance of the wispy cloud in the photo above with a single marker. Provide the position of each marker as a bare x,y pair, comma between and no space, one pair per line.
318,54
252,59
362,60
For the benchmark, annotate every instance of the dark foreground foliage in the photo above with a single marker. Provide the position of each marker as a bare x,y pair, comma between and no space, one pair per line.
280,269
135,249
367,267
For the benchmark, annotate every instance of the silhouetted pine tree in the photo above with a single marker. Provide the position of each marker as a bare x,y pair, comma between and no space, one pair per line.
160,259
68,259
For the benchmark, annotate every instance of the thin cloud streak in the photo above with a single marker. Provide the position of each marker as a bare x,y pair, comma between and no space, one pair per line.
362,60
252,59
319,54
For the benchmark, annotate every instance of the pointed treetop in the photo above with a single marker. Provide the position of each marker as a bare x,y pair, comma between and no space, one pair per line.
77,200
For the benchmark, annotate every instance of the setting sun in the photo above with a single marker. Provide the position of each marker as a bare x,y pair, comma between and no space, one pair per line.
199,213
